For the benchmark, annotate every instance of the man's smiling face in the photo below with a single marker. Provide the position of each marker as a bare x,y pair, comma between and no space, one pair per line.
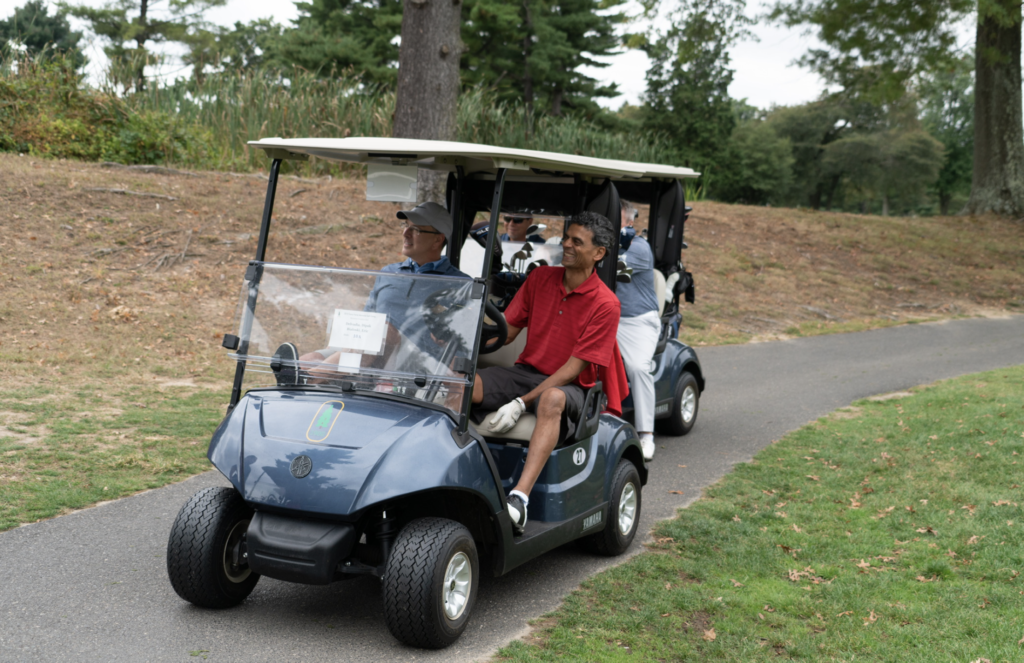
579,250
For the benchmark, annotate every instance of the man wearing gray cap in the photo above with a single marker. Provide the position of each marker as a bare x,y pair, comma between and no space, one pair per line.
428,227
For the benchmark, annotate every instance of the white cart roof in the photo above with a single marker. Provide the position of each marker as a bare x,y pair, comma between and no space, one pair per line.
446,155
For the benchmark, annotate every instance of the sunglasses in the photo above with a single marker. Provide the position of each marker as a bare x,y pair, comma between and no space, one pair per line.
408,227
516,219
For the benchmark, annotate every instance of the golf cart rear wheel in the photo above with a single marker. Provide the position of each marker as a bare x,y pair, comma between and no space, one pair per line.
685,403
430,583
205,551
623,514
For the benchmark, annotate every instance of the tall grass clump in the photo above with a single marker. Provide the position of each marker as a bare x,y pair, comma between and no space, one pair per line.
47,110
483,120
237,107
241,106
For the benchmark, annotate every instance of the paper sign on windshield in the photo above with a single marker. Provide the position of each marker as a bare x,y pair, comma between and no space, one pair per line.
359,331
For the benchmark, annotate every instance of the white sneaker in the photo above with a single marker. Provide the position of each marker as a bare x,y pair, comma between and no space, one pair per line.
647,444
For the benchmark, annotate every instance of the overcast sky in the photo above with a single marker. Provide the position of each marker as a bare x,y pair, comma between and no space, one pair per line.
765,75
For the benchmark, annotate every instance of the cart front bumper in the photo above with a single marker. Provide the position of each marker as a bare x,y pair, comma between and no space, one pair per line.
306,551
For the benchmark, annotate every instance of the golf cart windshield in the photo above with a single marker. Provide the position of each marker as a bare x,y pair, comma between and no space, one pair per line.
407,335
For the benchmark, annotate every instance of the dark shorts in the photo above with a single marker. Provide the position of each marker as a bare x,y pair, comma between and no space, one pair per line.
502,384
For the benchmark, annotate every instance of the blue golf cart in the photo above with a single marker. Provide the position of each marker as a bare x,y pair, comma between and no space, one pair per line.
371,465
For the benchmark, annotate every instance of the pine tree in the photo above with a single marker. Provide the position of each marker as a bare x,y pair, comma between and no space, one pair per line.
33,28
143,22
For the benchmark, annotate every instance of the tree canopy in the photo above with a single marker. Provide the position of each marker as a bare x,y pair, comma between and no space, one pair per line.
688,83
141,21
882,48
33,28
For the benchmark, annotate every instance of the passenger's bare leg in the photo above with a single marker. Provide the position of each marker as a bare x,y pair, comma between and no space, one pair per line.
545,436
478,391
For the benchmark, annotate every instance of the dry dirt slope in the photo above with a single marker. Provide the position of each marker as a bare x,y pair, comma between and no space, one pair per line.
97,285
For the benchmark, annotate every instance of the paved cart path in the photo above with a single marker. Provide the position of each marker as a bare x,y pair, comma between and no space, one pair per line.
92,586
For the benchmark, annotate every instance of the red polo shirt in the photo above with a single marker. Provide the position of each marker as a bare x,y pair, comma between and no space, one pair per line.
581,324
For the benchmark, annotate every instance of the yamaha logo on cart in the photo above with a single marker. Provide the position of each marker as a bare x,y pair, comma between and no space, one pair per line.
579,456
591,520
301,466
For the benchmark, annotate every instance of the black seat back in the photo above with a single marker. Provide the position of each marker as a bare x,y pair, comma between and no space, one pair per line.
587,424
604,200
667,223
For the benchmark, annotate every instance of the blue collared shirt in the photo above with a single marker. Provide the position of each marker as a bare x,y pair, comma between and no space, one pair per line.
442,266
638,296
402,298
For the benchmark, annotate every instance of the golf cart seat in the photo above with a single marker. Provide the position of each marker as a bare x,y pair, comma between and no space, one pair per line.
586,425
521,432
506,356
659,291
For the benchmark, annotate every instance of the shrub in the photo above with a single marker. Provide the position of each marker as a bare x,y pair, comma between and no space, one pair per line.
46,110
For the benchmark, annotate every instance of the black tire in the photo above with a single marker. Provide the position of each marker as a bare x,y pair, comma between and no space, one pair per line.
625,506
685,404
417,575
203,547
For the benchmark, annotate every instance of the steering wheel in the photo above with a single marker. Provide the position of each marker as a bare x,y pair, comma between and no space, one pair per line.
496,332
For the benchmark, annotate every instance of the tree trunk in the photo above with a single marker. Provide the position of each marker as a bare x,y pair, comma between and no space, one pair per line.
998,182
830,196
527,78
426,103
140,40
556,102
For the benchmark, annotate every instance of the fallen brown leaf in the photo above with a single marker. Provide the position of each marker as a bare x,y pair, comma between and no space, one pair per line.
709,635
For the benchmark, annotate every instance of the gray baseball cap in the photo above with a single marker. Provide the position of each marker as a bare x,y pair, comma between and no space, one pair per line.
430,214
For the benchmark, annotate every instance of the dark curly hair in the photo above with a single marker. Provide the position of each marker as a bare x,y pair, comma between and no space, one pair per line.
600,226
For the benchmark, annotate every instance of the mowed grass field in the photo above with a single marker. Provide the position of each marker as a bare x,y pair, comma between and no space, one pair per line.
891,530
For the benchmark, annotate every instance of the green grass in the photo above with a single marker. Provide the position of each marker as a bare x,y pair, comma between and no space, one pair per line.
59,453
890,531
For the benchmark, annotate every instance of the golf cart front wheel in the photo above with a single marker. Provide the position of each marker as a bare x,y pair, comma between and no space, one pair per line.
430,583
623,514
685,403
206,553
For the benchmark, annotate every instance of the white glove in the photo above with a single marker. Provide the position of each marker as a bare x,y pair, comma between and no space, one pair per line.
670,286
507,416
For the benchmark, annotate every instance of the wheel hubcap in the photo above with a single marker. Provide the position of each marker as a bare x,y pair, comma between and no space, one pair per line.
236,569
627,508
458,580
688,405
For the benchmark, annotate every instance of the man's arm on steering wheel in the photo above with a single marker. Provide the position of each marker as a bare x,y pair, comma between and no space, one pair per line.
513,331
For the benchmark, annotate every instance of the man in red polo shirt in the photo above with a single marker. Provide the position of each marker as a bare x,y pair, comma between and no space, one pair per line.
573,318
